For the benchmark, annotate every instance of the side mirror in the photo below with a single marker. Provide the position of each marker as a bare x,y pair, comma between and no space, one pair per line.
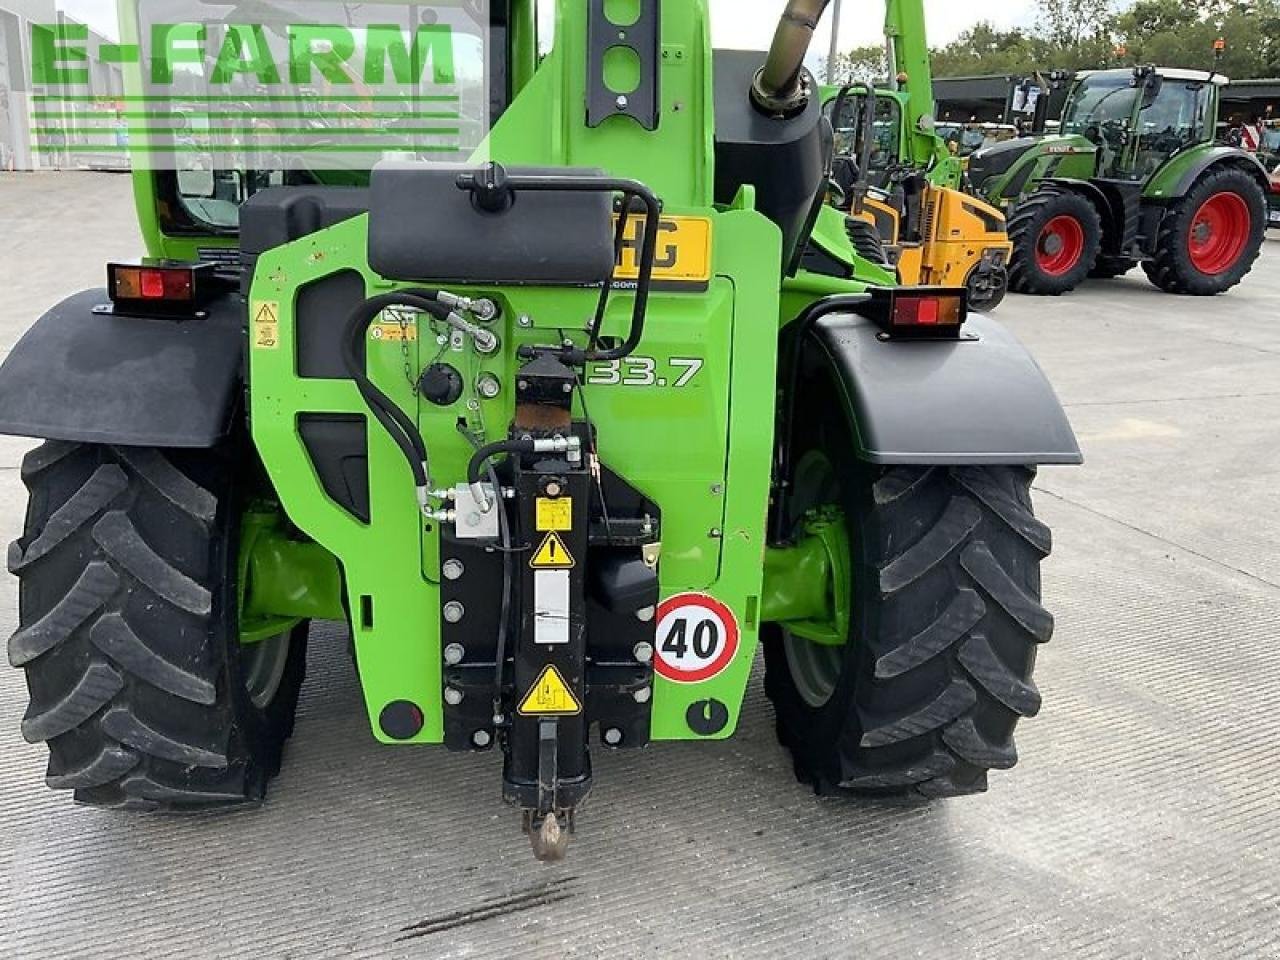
1151,89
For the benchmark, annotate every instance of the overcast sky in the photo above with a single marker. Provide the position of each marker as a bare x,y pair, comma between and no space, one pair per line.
748,24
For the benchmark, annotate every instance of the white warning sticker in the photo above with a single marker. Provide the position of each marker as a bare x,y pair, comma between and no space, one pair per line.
551,606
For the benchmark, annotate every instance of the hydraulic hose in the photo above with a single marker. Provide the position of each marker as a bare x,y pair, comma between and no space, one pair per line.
504,614
483,455
619,232
493,189
570,445
789,368
398,424
648,251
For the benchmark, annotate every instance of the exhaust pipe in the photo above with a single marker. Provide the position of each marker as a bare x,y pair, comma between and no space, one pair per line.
779,89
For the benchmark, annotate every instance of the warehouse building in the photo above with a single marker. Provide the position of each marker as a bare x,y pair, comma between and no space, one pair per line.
31,142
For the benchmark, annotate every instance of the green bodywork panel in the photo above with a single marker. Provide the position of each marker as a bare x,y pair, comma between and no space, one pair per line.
1072,157
702,449
1168,180
1068,157
704,460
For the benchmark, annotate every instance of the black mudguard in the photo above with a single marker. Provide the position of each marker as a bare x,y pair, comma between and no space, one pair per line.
104,378
978,400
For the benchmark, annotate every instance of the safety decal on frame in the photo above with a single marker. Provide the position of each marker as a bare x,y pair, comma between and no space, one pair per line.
393,332
266,324
549,696
552,555
554,513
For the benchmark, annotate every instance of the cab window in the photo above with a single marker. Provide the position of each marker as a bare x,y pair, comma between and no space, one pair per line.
885,133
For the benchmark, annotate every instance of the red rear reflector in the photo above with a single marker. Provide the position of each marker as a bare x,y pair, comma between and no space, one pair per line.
152,285
177,284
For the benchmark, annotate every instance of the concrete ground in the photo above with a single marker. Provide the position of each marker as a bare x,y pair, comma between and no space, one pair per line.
1142,820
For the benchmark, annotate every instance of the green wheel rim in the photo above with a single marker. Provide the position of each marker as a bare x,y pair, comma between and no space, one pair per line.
264,642
262,665
815,667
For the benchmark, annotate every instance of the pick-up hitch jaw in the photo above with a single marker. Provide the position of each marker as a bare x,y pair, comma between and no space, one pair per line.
548,826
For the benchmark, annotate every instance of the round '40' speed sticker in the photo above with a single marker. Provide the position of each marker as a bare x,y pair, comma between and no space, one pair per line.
697,637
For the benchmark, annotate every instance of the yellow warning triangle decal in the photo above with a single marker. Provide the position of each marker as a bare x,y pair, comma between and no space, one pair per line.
549,696
552,555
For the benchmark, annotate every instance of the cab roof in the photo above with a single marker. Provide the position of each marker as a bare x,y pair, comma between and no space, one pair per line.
1169,73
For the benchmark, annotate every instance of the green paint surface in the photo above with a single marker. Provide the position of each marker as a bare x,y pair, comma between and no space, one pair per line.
703,450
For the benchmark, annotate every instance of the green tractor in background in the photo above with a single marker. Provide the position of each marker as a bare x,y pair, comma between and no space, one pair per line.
564,434
1132,177
1269,157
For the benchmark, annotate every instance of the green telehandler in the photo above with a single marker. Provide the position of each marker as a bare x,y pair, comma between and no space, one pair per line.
565,434
1132,177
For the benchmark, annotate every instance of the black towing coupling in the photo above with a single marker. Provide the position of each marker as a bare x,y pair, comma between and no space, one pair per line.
548,560
570,645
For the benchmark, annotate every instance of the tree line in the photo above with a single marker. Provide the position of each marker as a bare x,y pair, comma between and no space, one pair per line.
1092,34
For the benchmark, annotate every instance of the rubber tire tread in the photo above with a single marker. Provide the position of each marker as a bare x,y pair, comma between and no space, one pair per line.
1171,269
1025,225
127,630
866,242
947,624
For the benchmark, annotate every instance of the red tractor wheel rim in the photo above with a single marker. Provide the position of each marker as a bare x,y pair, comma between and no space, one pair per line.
1219,232
1060,246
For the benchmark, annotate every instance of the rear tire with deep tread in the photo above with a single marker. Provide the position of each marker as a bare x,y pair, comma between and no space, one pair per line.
1026,224
946,623
866,242
128,632
1172,270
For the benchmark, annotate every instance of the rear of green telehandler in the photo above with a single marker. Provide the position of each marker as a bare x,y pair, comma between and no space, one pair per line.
557,473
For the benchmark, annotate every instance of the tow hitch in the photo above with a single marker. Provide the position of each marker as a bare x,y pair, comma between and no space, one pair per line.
573,637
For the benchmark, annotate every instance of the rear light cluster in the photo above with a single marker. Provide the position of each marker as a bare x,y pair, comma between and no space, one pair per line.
919,311
927,310
160,286
148,283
